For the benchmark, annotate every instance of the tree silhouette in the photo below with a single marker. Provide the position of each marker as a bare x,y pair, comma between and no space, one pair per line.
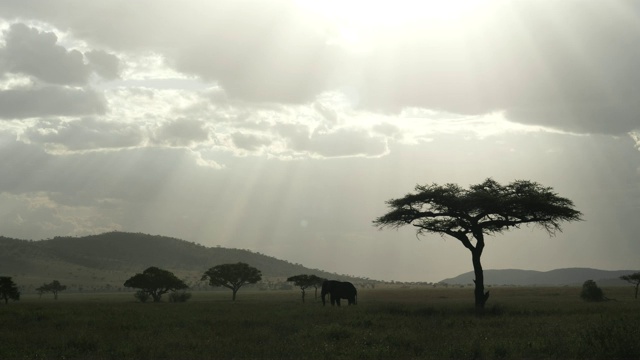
53,287
317,284
155,282
232,276
304,281
633,279
469,215
8,289
591,291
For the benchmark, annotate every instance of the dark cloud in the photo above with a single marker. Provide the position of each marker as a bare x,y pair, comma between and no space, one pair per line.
84,134
22,103
182,132
31,52
104,64
338,143
250,142
49,101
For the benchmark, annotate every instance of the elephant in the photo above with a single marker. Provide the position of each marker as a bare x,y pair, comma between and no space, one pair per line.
339,290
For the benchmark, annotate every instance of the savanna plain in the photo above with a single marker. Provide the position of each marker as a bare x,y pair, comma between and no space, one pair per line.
391,323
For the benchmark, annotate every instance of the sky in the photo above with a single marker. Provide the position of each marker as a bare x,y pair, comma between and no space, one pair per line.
282,127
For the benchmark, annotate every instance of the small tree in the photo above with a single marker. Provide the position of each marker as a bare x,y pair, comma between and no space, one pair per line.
469,215
591,291
8,289
232,276
304,281
633,279
317,283
53,287
155,282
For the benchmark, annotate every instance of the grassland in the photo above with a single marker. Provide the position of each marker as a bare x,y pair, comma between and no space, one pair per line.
427,323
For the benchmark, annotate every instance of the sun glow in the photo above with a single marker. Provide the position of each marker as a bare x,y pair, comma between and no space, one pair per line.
357,20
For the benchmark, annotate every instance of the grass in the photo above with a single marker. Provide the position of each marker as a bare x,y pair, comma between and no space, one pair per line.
531,323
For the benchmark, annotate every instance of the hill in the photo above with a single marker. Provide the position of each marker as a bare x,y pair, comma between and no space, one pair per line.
103,262
569,276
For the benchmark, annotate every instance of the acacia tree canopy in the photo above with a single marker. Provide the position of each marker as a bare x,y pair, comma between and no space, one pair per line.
483,209
8,289
156,282
304,281
633,279
232,276
53,287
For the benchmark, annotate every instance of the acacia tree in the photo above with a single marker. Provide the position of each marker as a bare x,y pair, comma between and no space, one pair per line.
469,215
232,276
317,283
155,282
304,281
8,289
633,279
53,287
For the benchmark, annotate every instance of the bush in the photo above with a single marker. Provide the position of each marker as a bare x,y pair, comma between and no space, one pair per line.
142,296
179,296
591,291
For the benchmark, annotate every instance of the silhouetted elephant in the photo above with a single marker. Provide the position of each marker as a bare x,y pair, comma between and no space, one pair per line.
339,290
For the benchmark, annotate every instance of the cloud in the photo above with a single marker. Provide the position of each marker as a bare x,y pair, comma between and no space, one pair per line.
347,142
20,103
563,65
104,64
250,142
566,64
29,51
258,51
84,134
37,215
182,132
341,142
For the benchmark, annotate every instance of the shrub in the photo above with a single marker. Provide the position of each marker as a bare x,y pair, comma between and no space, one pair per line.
142,296
179,296
591,291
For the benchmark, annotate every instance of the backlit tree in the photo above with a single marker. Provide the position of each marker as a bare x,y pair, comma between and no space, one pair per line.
469,215
633,279
232,276
53,287
155,282
304,281
8,289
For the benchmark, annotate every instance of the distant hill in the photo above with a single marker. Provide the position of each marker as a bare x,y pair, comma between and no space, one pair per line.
570,276
103,262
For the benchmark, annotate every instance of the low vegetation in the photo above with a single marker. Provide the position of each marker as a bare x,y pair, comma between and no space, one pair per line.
399,323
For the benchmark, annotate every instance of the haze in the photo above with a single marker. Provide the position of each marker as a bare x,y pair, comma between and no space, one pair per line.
283,126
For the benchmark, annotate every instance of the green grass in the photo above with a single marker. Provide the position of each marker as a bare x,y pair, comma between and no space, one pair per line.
532,323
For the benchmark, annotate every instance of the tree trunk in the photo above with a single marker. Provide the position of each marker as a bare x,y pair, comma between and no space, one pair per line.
480,296
233,296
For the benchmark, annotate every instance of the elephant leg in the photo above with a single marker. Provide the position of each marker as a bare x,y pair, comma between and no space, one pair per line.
338,301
